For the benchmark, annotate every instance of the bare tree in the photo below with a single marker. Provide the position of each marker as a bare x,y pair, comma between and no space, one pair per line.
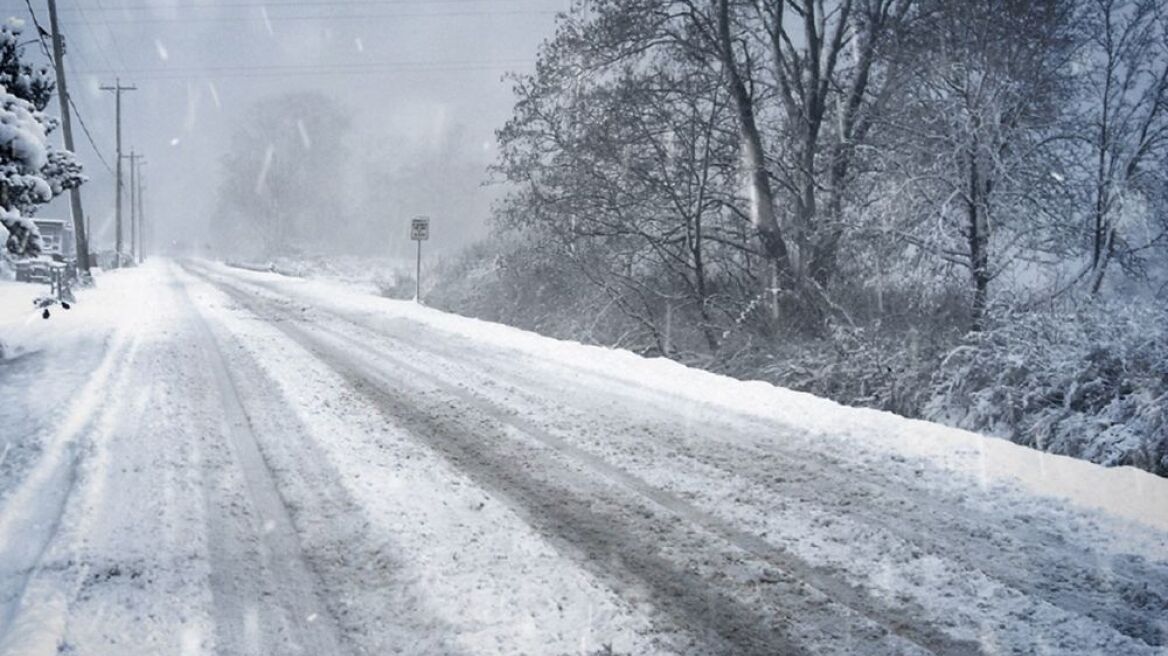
632,175
831,72
1126,124
986,104
804,81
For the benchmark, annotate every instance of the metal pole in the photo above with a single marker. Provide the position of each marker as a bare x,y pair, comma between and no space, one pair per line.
80,229
418,276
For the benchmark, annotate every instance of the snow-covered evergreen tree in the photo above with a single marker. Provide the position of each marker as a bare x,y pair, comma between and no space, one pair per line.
32,171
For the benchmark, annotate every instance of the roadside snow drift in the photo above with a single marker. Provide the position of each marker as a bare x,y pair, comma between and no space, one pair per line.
1121,491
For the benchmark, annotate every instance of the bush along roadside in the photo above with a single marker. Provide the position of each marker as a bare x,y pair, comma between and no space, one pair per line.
1090,383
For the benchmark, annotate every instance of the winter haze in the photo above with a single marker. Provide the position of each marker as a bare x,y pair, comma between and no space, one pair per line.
420,80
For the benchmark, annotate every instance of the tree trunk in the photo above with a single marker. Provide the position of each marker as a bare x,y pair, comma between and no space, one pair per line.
700,284
762,203
978,242
1108,251
824,255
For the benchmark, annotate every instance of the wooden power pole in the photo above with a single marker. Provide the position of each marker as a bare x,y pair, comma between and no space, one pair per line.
79,224
118,89
141,216
133,157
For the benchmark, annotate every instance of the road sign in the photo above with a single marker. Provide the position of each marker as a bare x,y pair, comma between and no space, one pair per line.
419,232
420,228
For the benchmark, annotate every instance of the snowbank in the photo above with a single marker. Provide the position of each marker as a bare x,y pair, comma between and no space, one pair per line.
1124,492
19,327
115,298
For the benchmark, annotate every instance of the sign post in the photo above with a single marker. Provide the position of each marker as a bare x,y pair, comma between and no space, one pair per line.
419,232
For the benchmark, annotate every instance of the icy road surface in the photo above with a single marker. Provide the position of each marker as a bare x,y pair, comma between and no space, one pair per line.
201,460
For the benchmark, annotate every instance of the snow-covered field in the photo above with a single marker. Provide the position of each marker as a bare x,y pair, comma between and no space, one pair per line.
200,459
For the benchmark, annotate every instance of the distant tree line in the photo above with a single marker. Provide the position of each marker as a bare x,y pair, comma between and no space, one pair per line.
301,178
283,156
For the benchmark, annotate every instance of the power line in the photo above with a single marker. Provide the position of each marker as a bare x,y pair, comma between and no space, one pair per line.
280,5
416,63
96,44
41,32
315,73
85,129
278,74
117,48
93,35
158,20
281,70
40,37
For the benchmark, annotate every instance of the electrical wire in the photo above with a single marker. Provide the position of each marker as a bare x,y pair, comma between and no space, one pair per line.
76,112
275,18
93,35
117,47
41,32
85,129
280,5
316,70
373,66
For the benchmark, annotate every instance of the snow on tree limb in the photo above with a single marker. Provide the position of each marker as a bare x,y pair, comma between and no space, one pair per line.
32,171
23,236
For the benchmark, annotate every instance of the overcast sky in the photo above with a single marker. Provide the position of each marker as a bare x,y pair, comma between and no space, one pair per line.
414,72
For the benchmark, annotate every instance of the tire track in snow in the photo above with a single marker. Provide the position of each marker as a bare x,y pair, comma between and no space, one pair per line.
358,569
1125,594
32,513
265,595
587,528
576,520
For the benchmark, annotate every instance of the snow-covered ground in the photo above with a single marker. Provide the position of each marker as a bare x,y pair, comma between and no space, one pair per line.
200,459
363,273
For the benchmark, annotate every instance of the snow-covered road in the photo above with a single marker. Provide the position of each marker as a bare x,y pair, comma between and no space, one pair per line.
233,462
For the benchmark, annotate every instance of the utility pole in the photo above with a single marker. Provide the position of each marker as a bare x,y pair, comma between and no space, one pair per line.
133,157
118,89
80,228
141,216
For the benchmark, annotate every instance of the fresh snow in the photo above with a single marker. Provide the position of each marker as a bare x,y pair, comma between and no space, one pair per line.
1122,491
199,459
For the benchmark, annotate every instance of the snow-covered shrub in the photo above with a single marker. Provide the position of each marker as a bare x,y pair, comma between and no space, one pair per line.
399,284
1090,383
861,366
508,280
